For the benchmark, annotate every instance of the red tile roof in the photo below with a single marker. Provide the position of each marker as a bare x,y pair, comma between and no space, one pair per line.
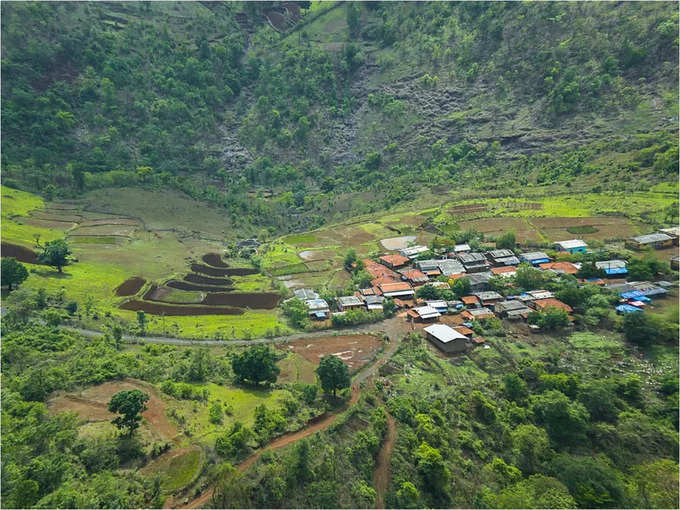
552,302
414,275
470,300
394,259
504,269
395,286
464,330
378,270
564,267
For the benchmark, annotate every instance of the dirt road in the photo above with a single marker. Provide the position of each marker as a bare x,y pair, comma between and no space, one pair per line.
382,471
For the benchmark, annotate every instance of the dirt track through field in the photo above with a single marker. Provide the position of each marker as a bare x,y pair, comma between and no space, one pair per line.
316,425
382,471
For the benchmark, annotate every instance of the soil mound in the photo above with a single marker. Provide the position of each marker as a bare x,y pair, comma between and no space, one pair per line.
204,280
130,287
21,253
214,259
260,300
170,310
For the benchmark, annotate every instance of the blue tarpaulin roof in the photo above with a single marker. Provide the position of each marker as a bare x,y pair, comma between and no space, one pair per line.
628,309
616,270
632,294
320,315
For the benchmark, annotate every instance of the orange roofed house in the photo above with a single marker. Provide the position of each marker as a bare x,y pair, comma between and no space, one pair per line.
560,267
379,271
401,290
542,304
394,260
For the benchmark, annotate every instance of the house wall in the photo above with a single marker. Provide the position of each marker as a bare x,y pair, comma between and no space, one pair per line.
458,345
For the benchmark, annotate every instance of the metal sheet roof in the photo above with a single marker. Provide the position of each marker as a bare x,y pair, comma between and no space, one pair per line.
444,333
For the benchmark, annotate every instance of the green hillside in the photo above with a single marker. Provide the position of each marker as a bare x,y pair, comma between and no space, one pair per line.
207,209
289,126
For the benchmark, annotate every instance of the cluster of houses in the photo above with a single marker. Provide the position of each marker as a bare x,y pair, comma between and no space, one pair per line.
398,276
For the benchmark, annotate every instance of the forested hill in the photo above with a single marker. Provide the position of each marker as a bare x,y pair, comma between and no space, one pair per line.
217,99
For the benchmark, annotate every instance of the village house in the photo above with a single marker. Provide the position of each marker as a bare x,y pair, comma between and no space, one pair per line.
438,305
446,339
461,248
489,297
540,294
474,262
657,241
378,271
673,232
479,281
477,313
571,246
633,290
305,294
455,304
427,265
471,301
423,314
560,267
505,271
675,263
374,302
502,258
542,304
450,267
413,251
397,289
414,276
512,309
394,260
534,257
464,330
318,309
349,303
508,261
612,267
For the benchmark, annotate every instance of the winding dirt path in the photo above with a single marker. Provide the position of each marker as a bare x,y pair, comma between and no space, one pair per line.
317,425
383,472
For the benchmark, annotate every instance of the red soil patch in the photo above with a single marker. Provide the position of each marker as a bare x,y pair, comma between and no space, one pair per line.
204,280
214,259
91,404
180,285
170,310
131,286
355,350
266,300
21,253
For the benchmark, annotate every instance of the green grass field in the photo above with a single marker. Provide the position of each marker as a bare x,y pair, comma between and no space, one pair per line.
153,255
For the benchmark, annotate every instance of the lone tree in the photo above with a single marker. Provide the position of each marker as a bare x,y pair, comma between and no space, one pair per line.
256,365
130,404
333,373
12,272
55,254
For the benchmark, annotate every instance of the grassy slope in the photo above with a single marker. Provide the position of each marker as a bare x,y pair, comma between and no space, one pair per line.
152,255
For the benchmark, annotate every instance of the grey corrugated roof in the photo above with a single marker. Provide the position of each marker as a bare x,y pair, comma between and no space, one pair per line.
652,238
